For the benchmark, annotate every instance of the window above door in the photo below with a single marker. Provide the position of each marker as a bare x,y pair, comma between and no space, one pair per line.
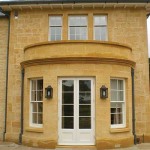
78,27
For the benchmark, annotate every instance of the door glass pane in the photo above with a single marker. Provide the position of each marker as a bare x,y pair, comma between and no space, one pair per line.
67,122
84,85
67,110
67,85
85,123
85,110
85,98
67,98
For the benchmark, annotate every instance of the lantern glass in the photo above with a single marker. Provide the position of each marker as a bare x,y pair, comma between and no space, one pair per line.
103,92
48,92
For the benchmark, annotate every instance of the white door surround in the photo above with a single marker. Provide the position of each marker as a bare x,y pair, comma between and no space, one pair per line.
76,108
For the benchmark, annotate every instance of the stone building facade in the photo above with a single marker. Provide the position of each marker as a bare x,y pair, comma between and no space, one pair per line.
76,49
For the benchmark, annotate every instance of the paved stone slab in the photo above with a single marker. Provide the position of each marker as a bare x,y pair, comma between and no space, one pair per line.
13,146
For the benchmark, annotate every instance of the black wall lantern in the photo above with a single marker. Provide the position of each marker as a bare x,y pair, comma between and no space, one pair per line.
49,92
103,92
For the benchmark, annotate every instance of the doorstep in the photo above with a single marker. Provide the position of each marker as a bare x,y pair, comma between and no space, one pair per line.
75,147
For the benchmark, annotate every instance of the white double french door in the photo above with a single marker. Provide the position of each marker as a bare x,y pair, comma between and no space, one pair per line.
76,111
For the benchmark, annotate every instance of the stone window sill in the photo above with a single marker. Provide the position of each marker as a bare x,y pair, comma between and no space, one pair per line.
119,130
38,130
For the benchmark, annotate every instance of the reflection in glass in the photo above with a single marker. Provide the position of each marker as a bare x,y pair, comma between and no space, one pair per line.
67,85
67,123
67,110
84,85
85,98
84,122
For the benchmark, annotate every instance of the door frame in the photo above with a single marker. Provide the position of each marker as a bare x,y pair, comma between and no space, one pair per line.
76,79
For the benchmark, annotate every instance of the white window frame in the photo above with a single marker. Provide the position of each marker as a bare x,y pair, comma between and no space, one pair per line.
100,26
49,34
123,125
31,108
76,26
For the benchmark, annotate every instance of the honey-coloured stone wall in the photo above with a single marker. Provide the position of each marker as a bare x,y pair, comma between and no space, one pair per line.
127,26
3,60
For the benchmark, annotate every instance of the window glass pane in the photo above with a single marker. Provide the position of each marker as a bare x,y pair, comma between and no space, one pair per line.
55,21
33,84
52,37
39,95
34,107
72,37
52,30
58,30
114,95
120,84
72,30
97,33
116,113
103,33
40,118
114,84
120,96
33,95
85,110
58,37
67,123
68,98
39,84
72,21
34,117
84,98
40,107
78,21
67,110
84,122
100,20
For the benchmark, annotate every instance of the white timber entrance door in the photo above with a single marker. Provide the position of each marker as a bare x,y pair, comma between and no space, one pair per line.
76,111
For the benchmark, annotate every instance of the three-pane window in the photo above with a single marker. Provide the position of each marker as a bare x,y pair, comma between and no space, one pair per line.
36,103
77,27
55,28
117,103
100,27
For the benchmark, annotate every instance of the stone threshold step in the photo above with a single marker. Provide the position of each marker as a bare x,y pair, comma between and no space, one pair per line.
74,147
